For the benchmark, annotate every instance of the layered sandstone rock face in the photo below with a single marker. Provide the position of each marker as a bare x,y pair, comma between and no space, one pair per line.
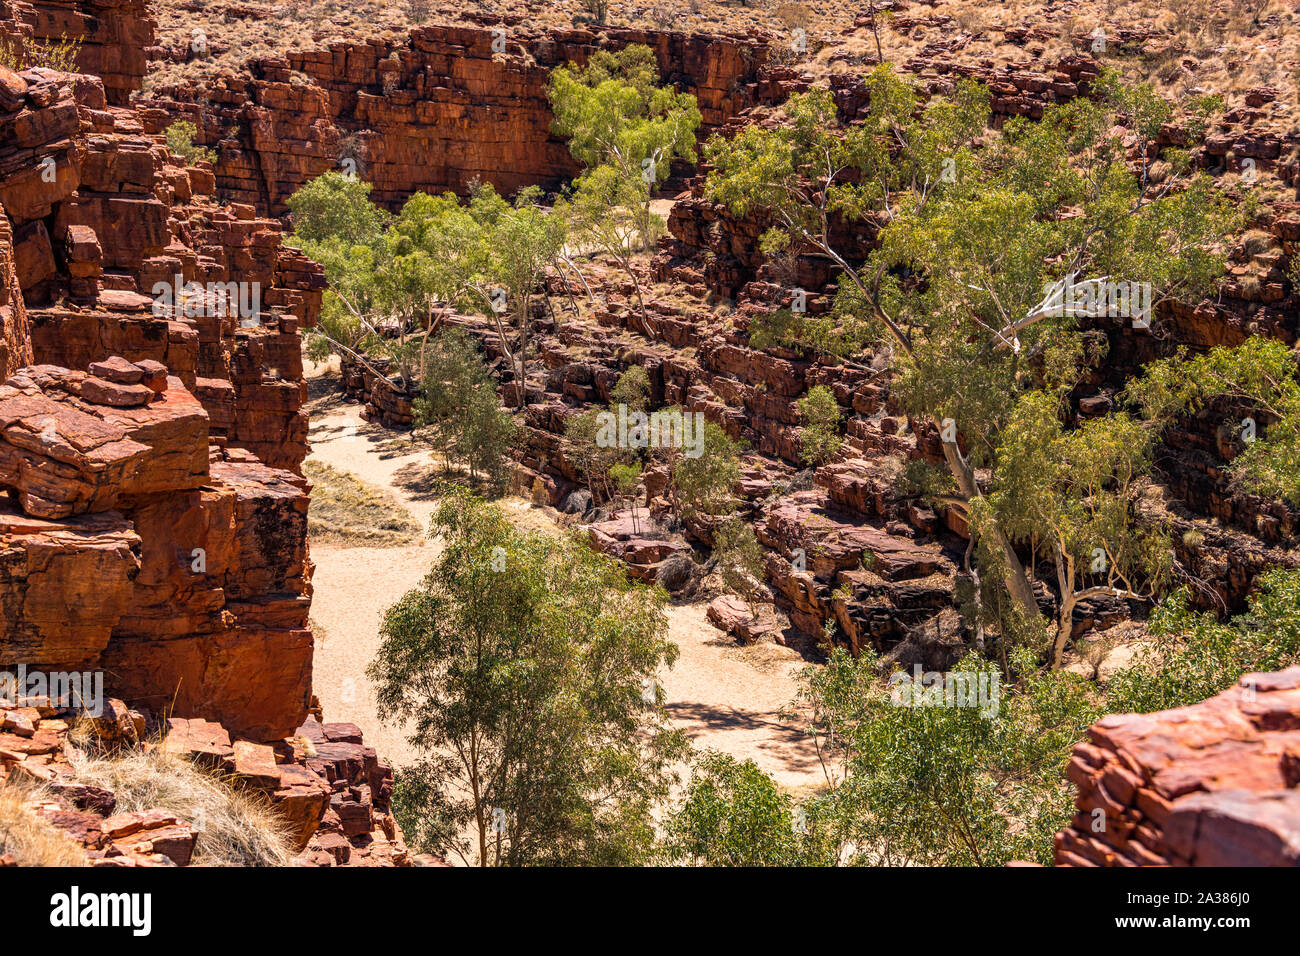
113,35
449,106
331,791
15,341
131,546
1213,784
152,428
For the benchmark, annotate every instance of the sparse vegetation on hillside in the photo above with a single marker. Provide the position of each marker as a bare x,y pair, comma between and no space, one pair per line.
233,827
22,54
1220,46
28,839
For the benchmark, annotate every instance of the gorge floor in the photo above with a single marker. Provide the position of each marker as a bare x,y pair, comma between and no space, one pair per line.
726,697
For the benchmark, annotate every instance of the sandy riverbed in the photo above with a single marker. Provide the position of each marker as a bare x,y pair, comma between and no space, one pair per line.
725,697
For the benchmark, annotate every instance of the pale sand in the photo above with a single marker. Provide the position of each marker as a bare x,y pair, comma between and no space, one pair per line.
726,697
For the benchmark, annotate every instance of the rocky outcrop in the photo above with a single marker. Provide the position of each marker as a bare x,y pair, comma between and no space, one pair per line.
120,249
637,541
152,429
133,547
1213,784
15,340
439,110
113,36
331,793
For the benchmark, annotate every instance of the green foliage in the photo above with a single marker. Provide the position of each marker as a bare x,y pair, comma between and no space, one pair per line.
819,441
791,170
521,666
632,389
1260,371
336,207
592,459
626,477
23,53
740,560
459,403
733,814
1072,495
627,130
914,781
956,291
401,274
1195,655
180,140
613,112
930,784
702,484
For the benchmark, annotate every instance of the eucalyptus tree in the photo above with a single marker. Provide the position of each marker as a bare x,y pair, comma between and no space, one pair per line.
626,129
972,289
525,667
402,275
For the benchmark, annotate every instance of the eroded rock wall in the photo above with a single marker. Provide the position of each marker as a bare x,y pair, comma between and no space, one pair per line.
448,106
131,546
113,36
15,340
151,434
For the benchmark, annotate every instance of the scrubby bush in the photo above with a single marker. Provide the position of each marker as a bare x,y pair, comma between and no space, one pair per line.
180,140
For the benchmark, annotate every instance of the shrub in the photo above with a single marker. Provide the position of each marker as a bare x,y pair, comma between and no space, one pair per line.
180,140
632,389
702,485
740,560
459,403
23,54
820,438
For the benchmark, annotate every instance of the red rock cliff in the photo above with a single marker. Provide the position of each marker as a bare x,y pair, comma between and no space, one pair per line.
113,36
432,113
155,523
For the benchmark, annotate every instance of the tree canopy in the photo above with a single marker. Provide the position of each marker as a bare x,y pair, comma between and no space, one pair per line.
526,669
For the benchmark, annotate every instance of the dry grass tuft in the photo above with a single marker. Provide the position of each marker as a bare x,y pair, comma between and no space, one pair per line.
234,827
29,839
347,511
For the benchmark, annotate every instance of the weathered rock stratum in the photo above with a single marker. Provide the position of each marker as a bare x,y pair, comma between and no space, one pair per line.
151,435
445,107
1213,784
331,792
